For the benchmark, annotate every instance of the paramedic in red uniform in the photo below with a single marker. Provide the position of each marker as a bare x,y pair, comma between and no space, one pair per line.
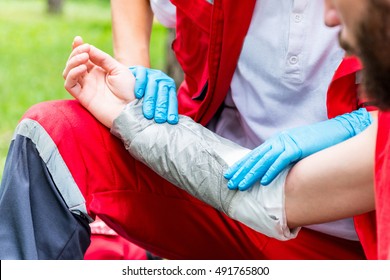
81,154
251,80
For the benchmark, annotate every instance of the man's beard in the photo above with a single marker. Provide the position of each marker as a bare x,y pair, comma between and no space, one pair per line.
373,48
349,49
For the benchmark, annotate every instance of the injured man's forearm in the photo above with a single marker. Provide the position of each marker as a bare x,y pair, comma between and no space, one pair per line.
194,159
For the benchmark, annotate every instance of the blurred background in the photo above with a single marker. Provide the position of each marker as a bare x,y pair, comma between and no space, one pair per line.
35,42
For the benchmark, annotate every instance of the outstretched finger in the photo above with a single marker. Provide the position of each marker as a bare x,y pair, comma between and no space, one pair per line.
162,103
173,115
103,60
83,49
257,171
258,152
75,61
245,167
281,163
74,82
149,105
77,41
141,79
229,173
79,49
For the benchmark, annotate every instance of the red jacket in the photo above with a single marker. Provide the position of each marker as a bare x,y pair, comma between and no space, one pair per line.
208,44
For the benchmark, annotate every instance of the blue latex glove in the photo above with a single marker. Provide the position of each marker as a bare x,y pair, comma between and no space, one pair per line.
269,159
159,93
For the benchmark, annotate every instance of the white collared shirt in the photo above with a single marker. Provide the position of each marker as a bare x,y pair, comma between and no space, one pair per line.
165,12
285,67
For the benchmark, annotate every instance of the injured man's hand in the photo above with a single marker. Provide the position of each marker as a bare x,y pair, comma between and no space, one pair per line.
194,159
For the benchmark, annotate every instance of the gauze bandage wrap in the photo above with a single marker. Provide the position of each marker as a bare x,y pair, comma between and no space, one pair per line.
193,158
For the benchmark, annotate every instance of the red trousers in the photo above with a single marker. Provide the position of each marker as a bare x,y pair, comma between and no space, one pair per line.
108,245
113,247
152,213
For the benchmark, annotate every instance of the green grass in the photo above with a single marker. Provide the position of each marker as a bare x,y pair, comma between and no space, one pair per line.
34,47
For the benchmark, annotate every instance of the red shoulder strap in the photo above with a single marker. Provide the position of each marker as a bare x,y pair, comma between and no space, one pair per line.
197,10
342,92
229,26
382,184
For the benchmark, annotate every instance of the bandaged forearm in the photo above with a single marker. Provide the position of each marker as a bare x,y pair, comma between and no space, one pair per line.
194,159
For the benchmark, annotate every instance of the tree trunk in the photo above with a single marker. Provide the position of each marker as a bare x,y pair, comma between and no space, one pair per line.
55,6
173,68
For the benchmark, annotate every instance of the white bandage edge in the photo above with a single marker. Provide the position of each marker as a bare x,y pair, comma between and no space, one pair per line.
262,208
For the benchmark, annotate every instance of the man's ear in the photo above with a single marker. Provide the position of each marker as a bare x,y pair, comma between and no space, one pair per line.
331,17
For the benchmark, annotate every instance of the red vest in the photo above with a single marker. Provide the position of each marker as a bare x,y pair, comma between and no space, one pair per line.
208,44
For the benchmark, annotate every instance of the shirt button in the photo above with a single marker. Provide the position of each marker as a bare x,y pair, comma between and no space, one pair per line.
293,59
297,18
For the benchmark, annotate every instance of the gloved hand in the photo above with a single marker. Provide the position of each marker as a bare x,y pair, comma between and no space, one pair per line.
159,93
269,159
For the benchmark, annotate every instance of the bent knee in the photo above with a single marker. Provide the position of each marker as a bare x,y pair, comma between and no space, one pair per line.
61,118
54,111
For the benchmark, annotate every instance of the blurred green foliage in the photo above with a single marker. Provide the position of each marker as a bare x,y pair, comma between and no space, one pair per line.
34,47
